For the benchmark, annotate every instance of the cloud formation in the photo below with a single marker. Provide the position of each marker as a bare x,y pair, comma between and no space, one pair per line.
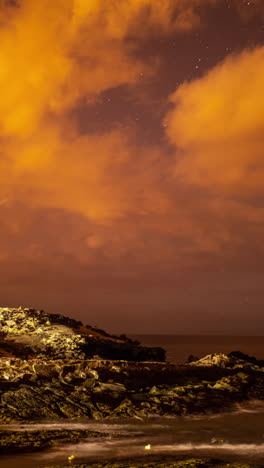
53,55
107,208
52,58
217,125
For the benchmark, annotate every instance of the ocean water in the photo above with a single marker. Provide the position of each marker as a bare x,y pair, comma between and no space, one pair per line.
232,436
236,436
179,347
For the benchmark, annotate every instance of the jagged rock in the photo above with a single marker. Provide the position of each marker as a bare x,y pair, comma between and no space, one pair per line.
234,360
246,358
37,389
219,360
46,372
34,333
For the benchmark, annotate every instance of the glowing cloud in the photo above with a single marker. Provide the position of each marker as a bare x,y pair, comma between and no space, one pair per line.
52,56
217,125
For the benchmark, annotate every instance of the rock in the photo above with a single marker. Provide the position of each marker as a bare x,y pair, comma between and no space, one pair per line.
159,461
219,360
54,389
109,387
29,332
34,441
46,372
192,358
235,383
234,360
246,358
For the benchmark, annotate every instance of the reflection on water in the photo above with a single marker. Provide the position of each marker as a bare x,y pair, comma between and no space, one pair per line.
236,436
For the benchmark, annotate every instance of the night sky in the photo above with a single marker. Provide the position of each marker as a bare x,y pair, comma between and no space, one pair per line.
132,162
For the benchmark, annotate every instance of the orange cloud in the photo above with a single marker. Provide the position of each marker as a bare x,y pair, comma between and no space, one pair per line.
52,55
217,125
103,176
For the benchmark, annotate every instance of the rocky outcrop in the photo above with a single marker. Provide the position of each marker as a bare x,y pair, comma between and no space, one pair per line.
39,389
30,333
35,441
233,360
53,368
48,371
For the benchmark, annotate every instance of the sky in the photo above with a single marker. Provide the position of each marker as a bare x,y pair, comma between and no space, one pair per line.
131,163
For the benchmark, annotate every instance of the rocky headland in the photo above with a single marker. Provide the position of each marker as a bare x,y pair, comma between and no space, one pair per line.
34,334
55,368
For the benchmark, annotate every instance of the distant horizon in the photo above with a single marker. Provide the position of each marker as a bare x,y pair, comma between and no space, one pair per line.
193,334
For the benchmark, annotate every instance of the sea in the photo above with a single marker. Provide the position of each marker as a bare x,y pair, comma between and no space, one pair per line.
236,436
179,347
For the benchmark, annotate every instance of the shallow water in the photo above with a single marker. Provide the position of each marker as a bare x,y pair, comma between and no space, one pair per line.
232,436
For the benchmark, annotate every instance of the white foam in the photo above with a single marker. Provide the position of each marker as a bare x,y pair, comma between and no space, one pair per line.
136,447
253,407
245,449
91,426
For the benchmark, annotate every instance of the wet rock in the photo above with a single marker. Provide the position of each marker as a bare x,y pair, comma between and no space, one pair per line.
50,389
159,461
34,441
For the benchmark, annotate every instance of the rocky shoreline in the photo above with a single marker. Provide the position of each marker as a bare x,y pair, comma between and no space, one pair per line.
49,372
24,441
19,442
32,334
41,389
161,462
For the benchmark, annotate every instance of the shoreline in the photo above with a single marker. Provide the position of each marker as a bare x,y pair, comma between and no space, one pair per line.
161,462
116,444
187,459
53,368
32,390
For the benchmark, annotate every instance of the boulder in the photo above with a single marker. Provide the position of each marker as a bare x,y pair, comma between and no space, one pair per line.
233,360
